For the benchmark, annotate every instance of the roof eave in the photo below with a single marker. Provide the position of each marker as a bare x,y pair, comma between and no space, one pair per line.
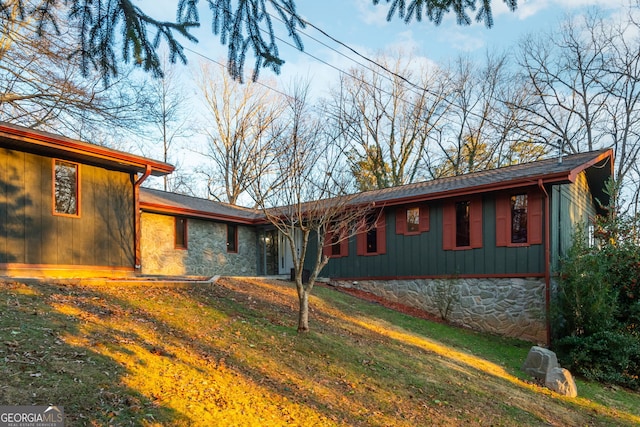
24,137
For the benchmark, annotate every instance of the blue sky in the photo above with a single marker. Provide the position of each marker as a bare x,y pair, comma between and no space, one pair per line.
363,26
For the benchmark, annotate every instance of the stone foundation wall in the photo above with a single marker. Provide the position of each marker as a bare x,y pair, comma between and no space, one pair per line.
206,253
509,307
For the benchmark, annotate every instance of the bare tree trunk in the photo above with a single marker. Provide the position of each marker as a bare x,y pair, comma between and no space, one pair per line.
303,313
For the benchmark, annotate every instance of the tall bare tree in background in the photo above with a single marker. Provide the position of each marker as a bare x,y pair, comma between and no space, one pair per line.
481,128
586,89
41,86
306,195
389,119
242,133
168,113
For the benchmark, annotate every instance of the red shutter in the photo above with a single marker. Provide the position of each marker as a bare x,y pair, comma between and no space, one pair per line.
503,220
401,220
449,226
326,248
535,219
381,233
424,218
344,247
361,243
476,223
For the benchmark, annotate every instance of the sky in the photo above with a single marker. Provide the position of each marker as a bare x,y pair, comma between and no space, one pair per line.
364,28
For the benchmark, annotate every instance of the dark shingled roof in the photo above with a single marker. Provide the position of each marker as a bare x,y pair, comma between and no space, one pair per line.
165,202
548,170
597,164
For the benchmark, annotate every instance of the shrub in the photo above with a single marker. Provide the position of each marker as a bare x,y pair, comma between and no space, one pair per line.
605,356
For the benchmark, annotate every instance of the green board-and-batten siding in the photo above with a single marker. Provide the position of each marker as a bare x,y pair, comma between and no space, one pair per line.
571,205
31,235
422,255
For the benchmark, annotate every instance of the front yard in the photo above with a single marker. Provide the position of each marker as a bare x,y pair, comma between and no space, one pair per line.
228,354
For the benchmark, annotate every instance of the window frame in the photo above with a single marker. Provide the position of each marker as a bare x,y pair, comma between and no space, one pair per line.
329,245
233,250
184,245
380,228
449,227
504,225
402,225
78,193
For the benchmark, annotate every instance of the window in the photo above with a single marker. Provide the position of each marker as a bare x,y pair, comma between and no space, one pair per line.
232,238
336,243
180,232
66,190
519,219
412,220
463,229
372,241
462,224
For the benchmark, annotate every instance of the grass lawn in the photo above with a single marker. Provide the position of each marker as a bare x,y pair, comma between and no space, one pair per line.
228,354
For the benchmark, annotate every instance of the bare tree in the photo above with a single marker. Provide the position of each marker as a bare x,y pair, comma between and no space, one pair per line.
587,92
389,118
482,124
242,135
566,69
167,113
41,87
307,195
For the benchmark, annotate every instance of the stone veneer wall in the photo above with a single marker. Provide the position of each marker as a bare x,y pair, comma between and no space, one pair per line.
207,249
509,307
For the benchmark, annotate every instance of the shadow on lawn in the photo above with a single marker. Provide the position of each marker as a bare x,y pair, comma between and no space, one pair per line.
227,353
43,368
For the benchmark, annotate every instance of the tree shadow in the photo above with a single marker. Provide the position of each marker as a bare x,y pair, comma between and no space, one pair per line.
14,221
43,366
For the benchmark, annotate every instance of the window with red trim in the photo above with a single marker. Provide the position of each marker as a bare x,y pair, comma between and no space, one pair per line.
519,219
180,232
373,241
66,188
336,244
462,224
412,220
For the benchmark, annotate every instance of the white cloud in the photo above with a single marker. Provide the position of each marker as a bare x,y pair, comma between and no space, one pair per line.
370,14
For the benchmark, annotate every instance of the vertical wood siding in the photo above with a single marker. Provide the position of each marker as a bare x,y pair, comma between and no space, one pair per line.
31,234
571,205
422,255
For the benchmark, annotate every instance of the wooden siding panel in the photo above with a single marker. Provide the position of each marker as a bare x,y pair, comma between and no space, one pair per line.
31,234
422,255
17,198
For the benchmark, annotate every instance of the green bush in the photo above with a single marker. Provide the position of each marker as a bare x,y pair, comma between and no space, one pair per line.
606,356
596,322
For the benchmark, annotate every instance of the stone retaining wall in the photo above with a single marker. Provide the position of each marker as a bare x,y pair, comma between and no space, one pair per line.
509,307
206,254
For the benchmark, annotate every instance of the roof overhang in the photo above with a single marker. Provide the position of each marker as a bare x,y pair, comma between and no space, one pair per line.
51,145
194,213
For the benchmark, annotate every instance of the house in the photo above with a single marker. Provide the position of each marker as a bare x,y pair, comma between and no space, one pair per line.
479,249
190,236
67,207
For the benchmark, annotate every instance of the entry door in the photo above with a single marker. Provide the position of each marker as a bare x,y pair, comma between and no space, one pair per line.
284,255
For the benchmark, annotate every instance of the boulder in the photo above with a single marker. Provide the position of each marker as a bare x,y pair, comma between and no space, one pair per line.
539,362
561,381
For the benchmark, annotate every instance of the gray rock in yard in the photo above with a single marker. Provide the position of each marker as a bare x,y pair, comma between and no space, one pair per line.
539,362
561,381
